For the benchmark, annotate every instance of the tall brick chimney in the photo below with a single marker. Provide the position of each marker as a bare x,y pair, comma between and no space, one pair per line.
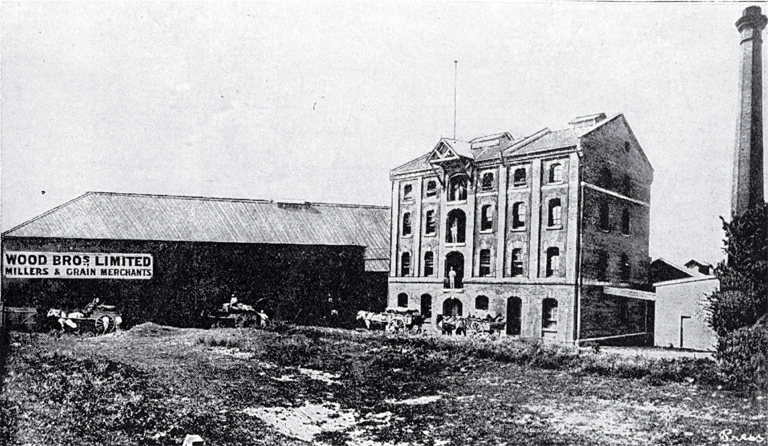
748,155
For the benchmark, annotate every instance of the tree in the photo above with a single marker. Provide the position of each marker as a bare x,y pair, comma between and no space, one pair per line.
738,310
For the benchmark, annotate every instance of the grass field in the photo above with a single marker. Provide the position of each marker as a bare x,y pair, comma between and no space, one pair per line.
152,385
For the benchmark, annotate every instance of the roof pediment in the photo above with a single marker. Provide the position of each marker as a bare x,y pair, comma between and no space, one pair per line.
448,150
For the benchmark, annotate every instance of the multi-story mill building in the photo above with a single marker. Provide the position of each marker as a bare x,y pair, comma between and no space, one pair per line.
549,231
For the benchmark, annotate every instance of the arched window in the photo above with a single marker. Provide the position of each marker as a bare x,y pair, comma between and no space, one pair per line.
549,314
517,262
555,218
486,218
627,146
452,307
487,182
431,190
604,223
407,223
606,178
405,264
485,262
457,190
556,173
481,303
408,192
625,222
402,300
601,268
429,223
429,263
456,224
625,269
518,215
626,186
553,262
518,179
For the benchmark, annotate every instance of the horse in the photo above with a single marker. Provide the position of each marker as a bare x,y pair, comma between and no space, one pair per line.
65,319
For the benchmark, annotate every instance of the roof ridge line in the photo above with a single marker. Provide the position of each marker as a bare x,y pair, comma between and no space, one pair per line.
248,200
49,211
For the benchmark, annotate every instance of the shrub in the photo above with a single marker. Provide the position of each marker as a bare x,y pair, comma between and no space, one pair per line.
743,356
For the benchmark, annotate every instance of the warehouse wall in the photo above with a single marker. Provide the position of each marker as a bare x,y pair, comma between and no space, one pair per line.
298,283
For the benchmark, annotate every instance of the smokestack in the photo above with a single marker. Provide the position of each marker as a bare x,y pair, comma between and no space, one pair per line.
748,155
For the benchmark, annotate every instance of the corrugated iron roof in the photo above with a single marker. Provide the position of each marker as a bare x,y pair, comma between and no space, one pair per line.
118,216
550,140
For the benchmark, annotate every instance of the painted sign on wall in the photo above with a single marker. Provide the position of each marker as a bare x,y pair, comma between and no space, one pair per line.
76,265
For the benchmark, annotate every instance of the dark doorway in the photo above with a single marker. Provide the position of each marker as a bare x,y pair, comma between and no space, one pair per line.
426,306
454,270
514,311
452,307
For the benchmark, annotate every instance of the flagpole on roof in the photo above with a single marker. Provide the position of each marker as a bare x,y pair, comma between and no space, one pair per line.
455,78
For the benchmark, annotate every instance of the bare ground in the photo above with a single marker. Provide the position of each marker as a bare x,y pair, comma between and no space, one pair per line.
337,387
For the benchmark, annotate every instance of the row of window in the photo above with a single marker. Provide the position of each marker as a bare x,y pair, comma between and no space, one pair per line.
601,267
453,307
604,219
457,185
457,220
606,181
517,265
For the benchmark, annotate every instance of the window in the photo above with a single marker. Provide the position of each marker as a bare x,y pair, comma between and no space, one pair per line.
623,308
405,264
458,188
625,222
601,266
627,146
518,180
429,223
555,218
625,269
626,186
408,192
556,173
431,188
407,223
518,215
487,183
486,218
485,262
549,314
604,222
456,227
553,262
481,303
517,262
429,263
606,178
402,300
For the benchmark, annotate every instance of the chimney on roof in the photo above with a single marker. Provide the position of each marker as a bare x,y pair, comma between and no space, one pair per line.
747,188
587,121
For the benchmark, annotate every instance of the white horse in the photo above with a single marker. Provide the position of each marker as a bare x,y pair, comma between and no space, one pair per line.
64,318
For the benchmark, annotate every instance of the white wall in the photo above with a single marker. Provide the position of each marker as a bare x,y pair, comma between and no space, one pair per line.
684,297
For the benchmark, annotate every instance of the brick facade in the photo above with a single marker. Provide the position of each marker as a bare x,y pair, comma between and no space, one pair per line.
523,219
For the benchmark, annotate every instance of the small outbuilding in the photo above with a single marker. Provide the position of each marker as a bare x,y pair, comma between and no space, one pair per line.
682,312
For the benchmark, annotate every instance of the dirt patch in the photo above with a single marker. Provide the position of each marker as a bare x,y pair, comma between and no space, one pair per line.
233,352
319,375
416,401
305,422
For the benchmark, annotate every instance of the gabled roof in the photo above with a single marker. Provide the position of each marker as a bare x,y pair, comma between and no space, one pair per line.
118,216
543,141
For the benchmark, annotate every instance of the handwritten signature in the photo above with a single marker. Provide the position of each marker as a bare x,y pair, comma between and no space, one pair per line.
726,435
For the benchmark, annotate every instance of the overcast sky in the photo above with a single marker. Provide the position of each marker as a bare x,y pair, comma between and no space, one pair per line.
319,101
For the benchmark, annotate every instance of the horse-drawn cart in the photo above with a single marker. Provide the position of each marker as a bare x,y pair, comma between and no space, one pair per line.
392,319
95,318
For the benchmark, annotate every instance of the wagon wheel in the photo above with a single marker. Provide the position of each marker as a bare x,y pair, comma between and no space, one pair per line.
416,328
475,328
103,324
240,320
